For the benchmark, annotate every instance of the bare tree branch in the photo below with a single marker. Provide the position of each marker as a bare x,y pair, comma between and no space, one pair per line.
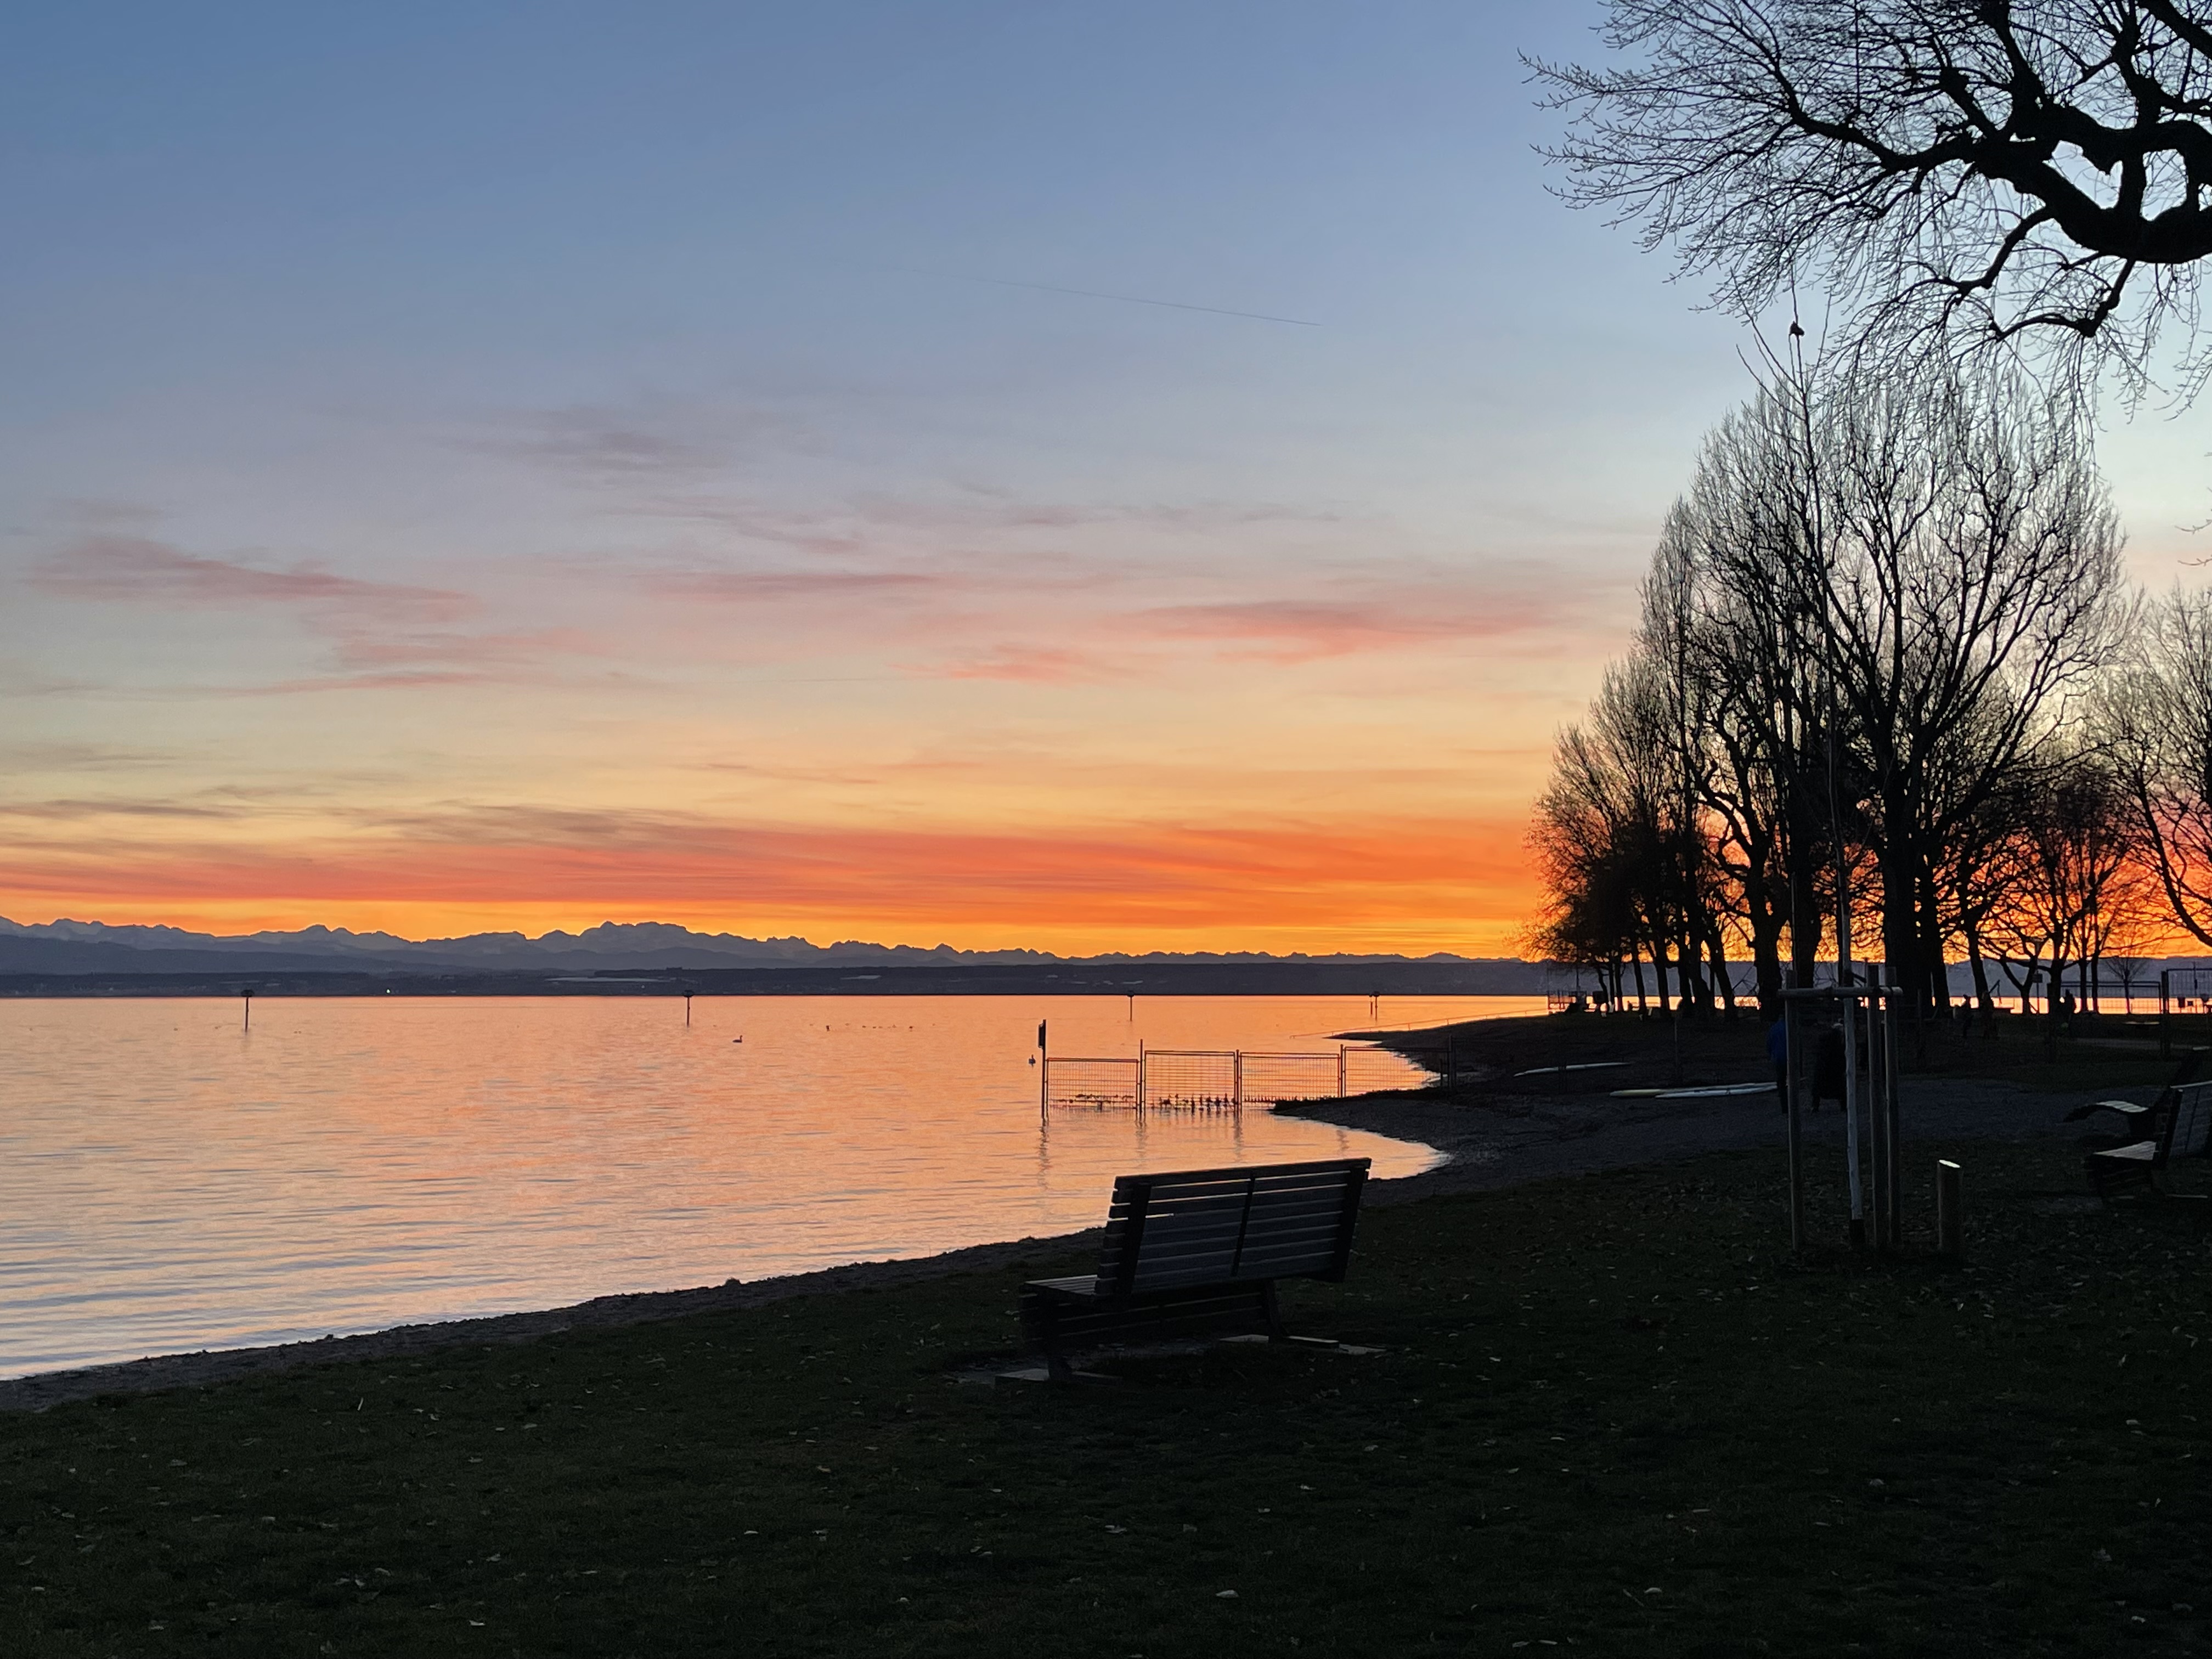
1963,177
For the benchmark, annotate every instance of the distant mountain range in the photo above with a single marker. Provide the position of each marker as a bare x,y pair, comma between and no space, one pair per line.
90,947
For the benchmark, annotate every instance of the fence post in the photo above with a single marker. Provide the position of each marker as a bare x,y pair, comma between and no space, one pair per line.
1140,1074
1339,1072
1893,1087
1877,1147
2165,1030
1950,1233
1236,1074
1792,1051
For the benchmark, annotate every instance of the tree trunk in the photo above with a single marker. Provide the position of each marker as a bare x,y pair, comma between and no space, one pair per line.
1932,944
1982,997
1722,982
1901,932
1805,919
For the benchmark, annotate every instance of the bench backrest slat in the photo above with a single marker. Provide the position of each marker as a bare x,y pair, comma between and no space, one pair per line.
2188,1127
1211,1226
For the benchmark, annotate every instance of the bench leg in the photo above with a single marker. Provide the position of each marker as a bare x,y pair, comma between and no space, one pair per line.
1271,1312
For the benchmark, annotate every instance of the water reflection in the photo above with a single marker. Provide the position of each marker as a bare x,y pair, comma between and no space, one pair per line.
171,1181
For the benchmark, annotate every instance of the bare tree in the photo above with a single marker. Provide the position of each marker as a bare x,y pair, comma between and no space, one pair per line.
1973,591
1586,837
1623,864
1926,569
2066,879
2126,927
1968,175
2159,721
1718,610
1969,882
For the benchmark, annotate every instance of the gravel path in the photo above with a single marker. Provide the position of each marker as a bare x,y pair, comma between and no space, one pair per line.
1506,1140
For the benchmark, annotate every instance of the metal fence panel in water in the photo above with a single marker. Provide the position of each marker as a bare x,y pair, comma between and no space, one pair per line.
1223,1080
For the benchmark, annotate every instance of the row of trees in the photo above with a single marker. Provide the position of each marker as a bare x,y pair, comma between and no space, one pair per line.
1886,632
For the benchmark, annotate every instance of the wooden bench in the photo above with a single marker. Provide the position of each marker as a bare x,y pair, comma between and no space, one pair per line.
2180,1127
2132,1120
1192,1250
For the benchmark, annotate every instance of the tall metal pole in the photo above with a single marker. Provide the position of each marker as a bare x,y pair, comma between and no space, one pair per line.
1847,1006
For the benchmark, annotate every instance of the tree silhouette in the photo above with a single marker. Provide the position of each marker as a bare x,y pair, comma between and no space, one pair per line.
1960,175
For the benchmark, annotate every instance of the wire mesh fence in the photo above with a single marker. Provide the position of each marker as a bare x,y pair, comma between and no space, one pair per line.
1220,1080
2186,990
1078,1080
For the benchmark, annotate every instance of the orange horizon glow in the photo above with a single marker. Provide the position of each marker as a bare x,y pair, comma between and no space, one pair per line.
1414,887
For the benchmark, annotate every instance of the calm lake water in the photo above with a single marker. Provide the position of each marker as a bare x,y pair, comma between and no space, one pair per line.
168,1181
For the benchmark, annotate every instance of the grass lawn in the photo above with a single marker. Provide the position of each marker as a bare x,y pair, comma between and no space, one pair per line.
1612,1417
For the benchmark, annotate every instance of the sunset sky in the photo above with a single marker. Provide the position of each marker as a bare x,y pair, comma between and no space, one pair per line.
470,466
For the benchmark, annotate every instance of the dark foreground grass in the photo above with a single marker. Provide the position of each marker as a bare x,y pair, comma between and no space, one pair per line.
1612,1417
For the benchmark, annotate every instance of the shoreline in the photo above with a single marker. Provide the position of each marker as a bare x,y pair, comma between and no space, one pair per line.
1494,1129
1505,1140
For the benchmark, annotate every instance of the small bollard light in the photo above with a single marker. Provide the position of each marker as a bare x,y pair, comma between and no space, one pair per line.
1949,1233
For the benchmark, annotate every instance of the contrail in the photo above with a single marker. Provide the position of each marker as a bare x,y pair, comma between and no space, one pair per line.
1139,300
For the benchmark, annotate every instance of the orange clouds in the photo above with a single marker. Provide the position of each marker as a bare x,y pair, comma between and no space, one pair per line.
1404,883
962,716
1299,630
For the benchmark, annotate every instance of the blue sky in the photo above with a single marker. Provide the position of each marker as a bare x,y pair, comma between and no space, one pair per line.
459,461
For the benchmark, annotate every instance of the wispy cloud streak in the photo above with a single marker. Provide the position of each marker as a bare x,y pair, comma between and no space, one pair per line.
130,569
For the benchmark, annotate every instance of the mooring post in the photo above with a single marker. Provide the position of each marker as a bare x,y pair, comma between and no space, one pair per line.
686,1010
1950,1230
247,995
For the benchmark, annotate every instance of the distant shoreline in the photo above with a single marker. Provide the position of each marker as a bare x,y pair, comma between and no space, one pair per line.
1386,978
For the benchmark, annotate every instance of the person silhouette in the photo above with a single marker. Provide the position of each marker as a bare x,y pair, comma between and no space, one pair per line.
1828,1068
